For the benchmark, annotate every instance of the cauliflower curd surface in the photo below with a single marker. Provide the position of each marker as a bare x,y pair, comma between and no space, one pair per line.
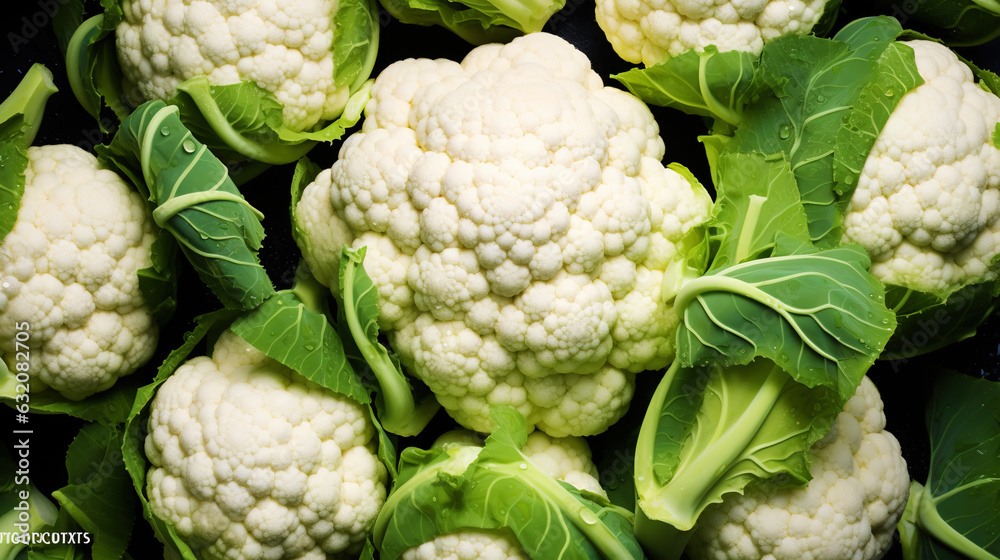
518,223
69,270
927,204
250,461
284,47
650,31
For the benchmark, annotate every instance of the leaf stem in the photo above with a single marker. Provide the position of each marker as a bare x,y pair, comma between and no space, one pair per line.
929,519
41,513
29,99
745,239
199,90
659,540
76,63
8,384
310,292
677,502
147,142
401,415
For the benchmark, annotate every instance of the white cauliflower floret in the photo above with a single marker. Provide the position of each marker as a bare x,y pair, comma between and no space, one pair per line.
927,203
567,459
251,461
518,223
650,31
471,544
848,511
284,47
69,270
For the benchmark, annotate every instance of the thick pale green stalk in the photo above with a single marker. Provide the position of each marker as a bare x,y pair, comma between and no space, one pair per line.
677,502
401,415
310,292
76,63
40,511
745,238
29,98
660,541
695,476
922,512
655,536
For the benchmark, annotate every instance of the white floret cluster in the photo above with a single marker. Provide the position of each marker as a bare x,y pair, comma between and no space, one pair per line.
284,47
69,270
251,462
927,204
518,223
472,544
650,31
567,459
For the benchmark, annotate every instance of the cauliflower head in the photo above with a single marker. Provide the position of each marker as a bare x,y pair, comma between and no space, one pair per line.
518,224
848,510
566,458
927,203
69,269
650,31
284,47
250,461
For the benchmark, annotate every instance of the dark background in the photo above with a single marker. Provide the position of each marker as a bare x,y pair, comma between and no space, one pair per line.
27,37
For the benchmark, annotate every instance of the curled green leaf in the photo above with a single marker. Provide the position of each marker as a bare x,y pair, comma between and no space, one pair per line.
195,200
820,316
